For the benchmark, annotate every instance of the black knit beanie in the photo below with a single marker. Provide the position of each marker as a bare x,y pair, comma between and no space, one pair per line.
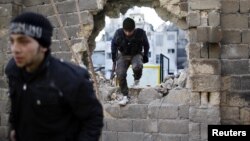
34,25
128,24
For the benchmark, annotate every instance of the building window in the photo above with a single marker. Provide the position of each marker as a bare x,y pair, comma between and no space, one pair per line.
171,37
171,50
159,40
109,56
157,60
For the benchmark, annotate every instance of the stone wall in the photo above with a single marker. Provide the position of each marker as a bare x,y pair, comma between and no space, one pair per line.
235,90
217,91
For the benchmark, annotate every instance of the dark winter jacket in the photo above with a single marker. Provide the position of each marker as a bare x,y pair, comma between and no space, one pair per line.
55,103
133,45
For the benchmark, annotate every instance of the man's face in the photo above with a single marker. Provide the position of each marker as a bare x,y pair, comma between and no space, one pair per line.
25,50
128,33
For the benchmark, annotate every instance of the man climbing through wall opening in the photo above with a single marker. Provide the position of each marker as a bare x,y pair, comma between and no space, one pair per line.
129,47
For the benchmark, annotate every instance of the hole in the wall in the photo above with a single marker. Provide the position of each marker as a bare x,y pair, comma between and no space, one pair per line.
158,33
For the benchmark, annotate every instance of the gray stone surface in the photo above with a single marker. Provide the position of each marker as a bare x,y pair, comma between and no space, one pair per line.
124,136
244,6
162,111
193,19
239,21
214,18
199,83
231,36
147,95
109,136
119,125
230,6
234,67
205,66
173,126
134,111
246,37
145,126
233,51
203,5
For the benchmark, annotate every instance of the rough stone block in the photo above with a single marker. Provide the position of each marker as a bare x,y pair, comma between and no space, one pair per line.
231,83
5,10
54,22
67,56
198,114
235,51
214,50
46,9
91,5
168,137
234,67
58,46
66,7
3,83
214,34
4,94
245,114
204,50
183,111
213,19
173,126
204,133
3,106
193,19
195,99
113,110
230,113
35,2
213,115
230,6
109,136
4,119
31,9
192,34
134,111
210,83
145,126
4,132
246,37
204,5
238,98
202,34
147,95
193,50
205,66
244,6
194,131
245,82
5,22
177,97
240,21
162,111
183,6
119,125
123,136
231,37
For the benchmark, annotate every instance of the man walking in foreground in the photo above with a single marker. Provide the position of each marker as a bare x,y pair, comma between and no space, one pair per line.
129,47
51,100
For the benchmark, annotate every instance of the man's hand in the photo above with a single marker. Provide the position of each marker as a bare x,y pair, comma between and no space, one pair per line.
12,135
145,58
